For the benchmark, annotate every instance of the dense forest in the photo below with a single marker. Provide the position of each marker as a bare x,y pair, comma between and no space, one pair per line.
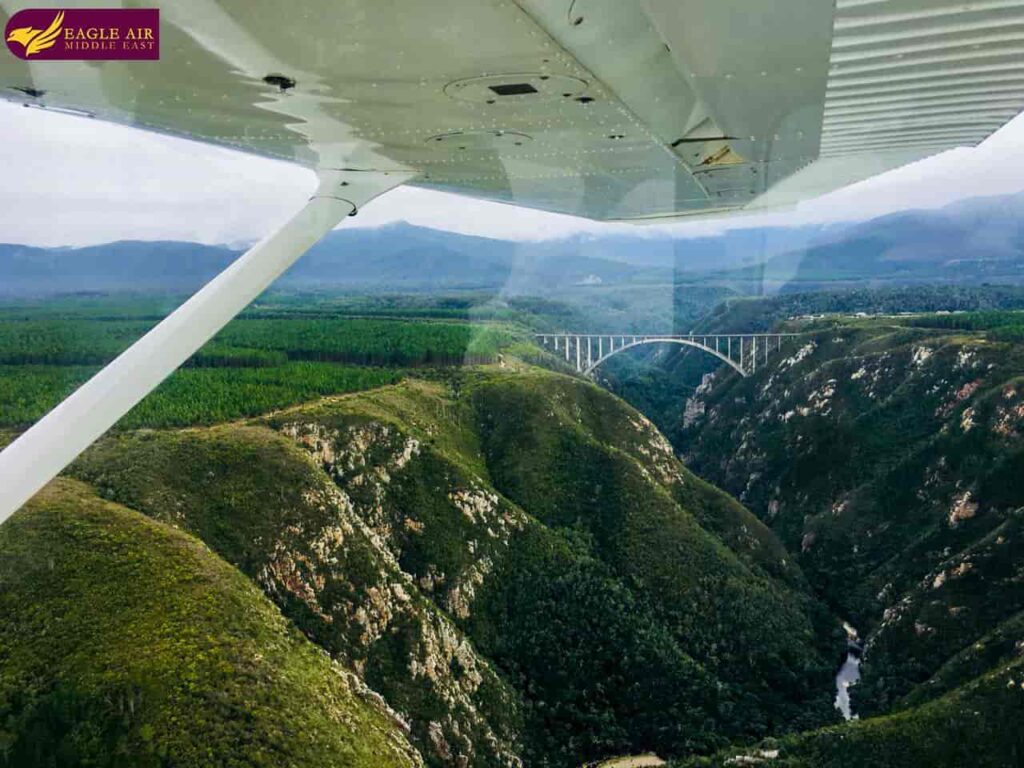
253,366
82,341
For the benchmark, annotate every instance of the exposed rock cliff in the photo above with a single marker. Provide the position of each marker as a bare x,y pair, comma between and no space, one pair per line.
888,454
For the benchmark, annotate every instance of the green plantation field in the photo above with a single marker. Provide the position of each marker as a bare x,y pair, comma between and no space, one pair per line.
255,365
191,395
370,342
93,341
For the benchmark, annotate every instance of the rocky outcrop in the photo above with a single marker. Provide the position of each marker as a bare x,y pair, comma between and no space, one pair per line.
398,608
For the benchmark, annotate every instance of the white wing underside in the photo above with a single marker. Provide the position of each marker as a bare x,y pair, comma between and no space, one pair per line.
609,109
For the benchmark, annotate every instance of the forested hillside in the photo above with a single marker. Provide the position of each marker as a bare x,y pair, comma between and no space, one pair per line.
513,559
660,380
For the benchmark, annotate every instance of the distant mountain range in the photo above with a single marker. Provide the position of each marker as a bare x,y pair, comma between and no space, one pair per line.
399,257
971,241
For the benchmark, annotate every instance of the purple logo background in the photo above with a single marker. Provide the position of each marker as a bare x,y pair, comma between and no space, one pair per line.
98,34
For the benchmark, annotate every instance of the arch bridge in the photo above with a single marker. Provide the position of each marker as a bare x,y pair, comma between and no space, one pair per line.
743,352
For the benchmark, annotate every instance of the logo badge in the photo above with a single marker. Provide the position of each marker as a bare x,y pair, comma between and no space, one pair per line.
89,34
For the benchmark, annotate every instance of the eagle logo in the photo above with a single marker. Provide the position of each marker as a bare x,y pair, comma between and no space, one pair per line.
36,40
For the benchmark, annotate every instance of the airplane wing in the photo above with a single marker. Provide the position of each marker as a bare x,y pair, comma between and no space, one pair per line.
609,109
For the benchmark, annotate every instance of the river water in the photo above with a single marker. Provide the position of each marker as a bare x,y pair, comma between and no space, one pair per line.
849,673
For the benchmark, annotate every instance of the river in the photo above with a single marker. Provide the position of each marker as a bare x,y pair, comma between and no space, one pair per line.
849,673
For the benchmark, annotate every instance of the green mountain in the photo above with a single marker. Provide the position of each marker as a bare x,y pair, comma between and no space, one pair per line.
660,380
974,725
512,560
886,452
397,257
125,641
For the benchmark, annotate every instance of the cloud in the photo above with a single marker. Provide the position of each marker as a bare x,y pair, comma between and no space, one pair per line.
73,181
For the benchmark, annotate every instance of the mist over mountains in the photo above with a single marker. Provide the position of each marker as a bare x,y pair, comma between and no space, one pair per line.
971,241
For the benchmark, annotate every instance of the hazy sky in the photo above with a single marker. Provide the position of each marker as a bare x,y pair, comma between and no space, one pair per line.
72,181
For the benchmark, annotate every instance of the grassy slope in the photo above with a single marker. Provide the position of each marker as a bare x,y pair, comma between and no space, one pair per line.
126,641
602,648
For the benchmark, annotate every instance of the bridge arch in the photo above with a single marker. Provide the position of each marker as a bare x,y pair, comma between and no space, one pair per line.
667,340
743,352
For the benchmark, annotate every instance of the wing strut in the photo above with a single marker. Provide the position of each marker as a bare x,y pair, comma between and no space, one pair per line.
38,455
